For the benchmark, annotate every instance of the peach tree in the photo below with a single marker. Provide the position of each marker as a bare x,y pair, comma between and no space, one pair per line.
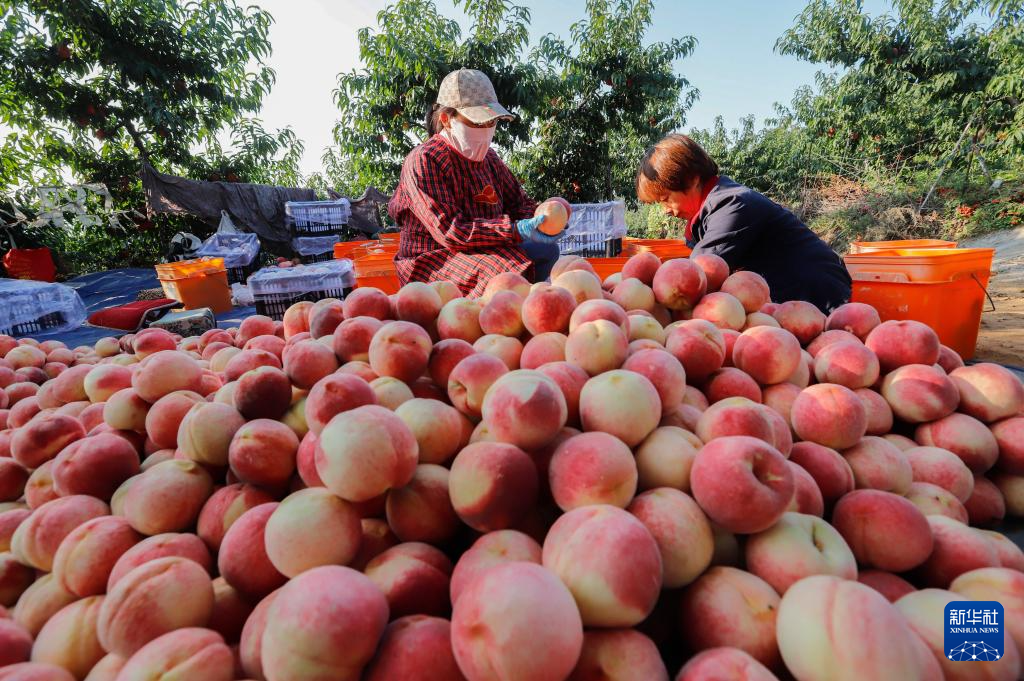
586,106
910,82
89,89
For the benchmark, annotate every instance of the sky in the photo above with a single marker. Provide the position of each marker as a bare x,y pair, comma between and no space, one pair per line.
734,64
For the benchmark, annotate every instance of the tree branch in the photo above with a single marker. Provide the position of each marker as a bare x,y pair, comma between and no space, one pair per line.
136,139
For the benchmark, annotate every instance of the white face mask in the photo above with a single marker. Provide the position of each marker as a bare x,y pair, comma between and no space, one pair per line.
472,143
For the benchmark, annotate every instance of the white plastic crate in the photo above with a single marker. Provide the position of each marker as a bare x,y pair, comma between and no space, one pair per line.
594,229
37,307
315,248
275,289
313,218
238,250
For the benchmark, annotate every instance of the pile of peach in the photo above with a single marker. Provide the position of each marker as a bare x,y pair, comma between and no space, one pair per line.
662,475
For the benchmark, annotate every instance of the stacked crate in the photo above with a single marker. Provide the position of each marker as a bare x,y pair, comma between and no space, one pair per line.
316,226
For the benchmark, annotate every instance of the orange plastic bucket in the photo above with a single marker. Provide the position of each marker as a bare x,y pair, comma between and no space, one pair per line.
606,267
943,288
197,283
921,264
871,246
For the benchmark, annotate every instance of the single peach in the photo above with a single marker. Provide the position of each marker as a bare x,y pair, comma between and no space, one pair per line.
492,485
730,607
724,663
723,310
830,471
165,372
767,354
87,556
308,617
400,349
415,646
735,416
988,392
262,452
582,548
69,639
548,309
829,415
887,648
459,318
883,530
155,598
506,281
935,500
919,393
206,431
37,538
802,319
166,498
294,532
193,652
470,381
516,620
877,464
679,284
893,587
899,343
856,318
364,452
621,654
730,382
622,403
698,345
187,546
525,408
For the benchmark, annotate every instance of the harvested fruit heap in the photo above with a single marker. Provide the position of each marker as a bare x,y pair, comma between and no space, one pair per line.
557,481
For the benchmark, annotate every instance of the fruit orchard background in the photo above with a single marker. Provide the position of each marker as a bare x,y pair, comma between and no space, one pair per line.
90,89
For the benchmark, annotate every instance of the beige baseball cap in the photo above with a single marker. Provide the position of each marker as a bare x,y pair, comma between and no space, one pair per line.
471,93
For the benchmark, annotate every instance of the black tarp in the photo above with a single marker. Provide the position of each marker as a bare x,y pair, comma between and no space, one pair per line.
255,208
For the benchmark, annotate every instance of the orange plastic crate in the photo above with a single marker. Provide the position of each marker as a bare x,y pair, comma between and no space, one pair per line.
197,283
377,269
388,283
666,249
943,288
872,246
606,267
347,249
188,268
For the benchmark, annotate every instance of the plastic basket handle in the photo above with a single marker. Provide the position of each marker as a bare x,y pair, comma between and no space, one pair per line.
985,291
891,277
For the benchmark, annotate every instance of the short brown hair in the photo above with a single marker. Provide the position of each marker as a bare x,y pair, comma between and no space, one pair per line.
672,165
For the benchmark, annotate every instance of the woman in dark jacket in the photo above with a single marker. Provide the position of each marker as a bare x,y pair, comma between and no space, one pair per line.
744,227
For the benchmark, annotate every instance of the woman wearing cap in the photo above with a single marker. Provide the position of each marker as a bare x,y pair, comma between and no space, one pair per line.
746,228
464,217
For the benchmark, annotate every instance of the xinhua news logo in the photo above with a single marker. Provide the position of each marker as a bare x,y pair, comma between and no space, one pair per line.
974,631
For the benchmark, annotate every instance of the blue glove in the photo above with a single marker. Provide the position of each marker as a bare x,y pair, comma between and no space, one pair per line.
528,229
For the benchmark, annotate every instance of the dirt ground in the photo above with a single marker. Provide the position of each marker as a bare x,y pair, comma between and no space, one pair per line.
1002,331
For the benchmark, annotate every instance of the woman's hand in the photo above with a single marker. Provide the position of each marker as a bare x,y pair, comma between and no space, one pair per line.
529,230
